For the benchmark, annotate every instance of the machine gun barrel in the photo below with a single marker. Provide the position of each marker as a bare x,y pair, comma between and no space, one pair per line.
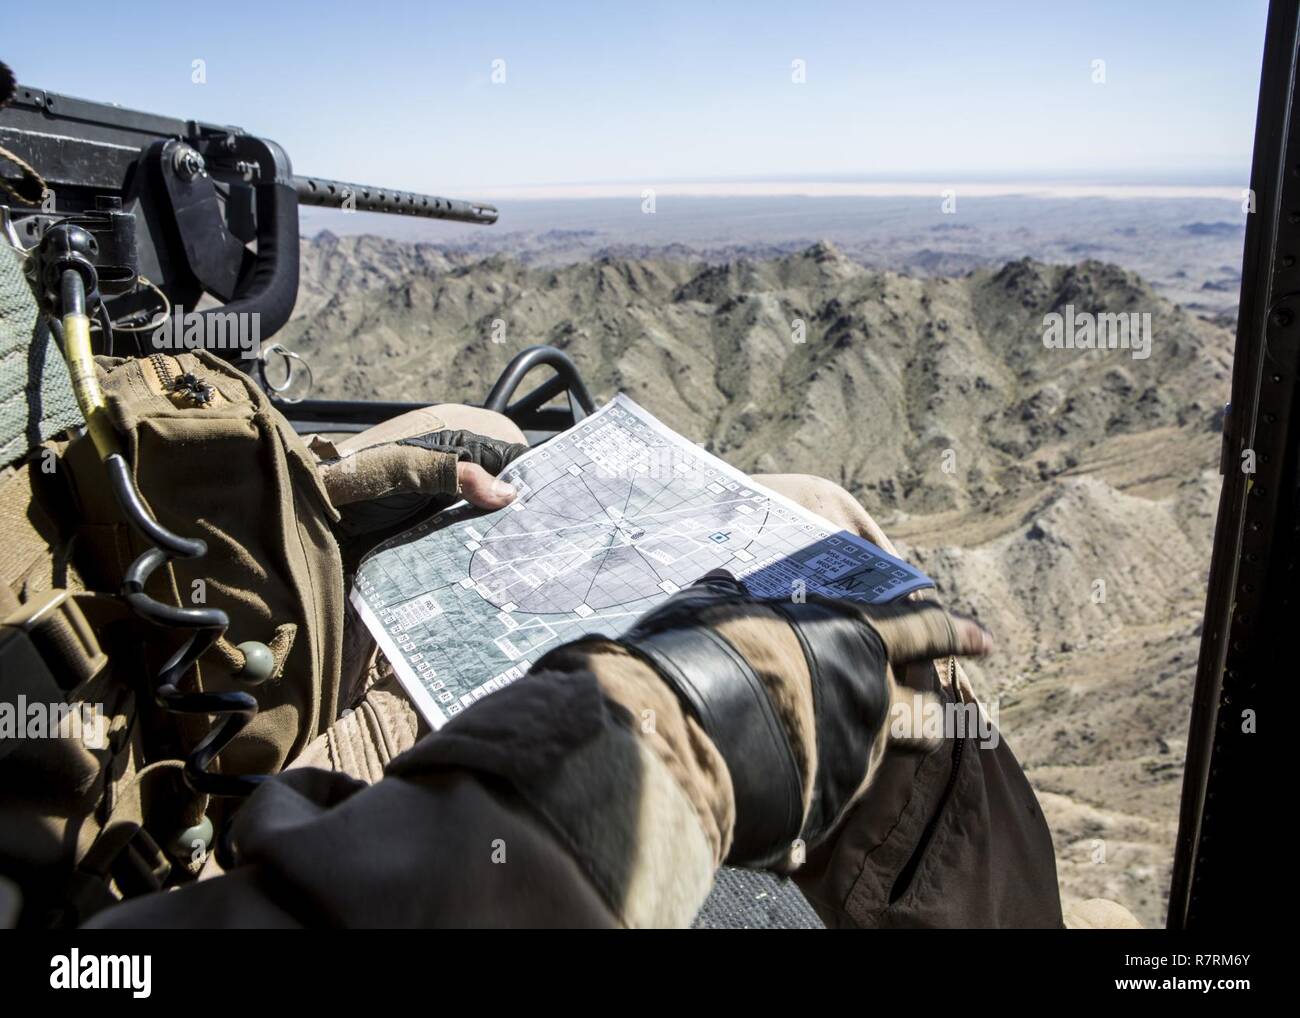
362,198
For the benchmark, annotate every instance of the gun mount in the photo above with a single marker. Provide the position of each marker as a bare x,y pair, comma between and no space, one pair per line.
208,215
198,209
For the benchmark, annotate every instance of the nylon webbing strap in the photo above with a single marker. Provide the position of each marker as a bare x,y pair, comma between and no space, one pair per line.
36,398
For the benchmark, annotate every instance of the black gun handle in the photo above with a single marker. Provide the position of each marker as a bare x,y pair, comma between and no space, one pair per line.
270,288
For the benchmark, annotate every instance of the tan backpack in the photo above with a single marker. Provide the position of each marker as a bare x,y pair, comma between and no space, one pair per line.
86,821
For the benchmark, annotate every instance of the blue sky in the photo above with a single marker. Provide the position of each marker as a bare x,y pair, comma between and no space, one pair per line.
401,94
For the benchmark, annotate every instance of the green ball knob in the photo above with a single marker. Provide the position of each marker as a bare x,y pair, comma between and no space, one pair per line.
193,839
259,663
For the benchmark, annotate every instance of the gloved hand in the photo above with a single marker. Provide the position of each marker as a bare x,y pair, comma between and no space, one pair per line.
491,454
439,463
385,488
795,696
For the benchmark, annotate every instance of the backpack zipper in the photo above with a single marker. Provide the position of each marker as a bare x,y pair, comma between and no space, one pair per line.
961,742
186,388
164,370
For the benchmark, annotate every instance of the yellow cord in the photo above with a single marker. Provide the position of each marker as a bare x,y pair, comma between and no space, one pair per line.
85,384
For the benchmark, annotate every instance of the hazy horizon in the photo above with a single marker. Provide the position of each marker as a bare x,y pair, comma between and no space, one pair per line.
512,98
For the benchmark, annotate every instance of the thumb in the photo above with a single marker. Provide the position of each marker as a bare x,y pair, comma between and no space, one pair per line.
923,631
481,489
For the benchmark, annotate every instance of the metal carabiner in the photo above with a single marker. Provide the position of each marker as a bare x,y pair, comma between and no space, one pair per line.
289,357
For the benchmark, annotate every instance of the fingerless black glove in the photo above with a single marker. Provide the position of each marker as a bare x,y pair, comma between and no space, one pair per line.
710,643
492,454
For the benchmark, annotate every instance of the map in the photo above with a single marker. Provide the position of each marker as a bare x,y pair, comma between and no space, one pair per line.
613,516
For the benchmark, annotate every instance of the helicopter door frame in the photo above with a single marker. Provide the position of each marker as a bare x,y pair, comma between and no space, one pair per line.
1251,601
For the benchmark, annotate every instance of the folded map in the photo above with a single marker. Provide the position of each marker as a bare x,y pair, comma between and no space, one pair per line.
613,516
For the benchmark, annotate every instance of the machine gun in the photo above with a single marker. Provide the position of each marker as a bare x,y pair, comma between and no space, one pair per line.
184,212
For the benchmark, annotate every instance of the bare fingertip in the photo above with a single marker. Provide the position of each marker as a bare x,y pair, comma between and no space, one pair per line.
976,640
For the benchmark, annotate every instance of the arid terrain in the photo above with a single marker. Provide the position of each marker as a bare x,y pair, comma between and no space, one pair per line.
1188,249
1066,497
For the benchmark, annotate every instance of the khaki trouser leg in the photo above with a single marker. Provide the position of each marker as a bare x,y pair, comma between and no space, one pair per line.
1099,914
381,726
828,499
443,417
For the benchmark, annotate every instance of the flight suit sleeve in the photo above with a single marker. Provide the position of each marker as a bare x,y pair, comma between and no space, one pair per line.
581,795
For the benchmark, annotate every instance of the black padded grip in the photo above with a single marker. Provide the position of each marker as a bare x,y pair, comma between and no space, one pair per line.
847,663
848,671
270,288
730,702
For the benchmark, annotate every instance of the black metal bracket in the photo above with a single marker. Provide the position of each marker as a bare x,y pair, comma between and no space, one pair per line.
214,256
566,379
530,412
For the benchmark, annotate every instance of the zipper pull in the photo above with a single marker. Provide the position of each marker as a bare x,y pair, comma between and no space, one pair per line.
192,389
